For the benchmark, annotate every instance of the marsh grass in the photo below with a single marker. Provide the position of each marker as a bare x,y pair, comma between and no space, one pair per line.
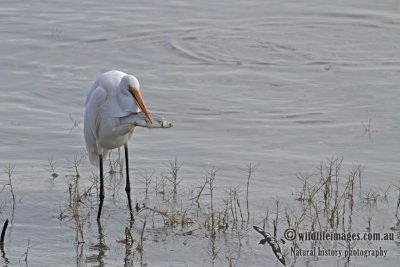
199,193
325,201
194,213
172,176
231,261
367,128
115,165
232,204
327,198
9,171
140,242
249,170
397,213
146,179
210,181
51,167
75,123
25,255
80,200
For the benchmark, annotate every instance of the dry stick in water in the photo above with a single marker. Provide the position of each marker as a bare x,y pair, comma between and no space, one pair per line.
210,178
140,243
197,197
398,206
27,252
3,232
9,171
276,218
52,167
251,168
174,174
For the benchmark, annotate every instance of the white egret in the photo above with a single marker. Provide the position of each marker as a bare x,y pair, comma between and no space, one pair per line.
114,106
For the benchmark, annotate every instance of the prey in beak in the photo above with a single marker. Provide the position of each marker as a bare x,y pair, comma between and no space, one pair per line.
140,103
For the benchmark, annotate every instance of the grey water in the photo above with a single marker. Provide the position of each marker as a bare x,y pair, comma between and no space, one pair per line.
282,84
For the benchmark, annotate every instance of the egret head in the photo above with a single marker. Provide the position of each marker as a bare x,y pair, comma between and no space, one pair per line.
134,89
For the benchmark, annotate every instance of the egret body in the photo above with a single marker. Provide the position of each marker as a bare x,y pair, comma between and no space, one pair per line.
114,95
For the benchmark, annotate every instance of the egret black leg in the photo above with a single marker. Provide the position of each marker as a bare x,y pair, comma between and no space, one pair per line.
101,195
128,184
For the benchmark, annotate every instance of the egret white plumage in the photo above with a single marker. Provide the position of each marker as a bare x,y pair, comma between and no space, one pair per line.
114,96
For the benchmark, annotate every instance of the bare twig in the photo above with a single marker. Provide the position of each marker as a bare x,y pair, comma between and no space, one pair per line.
250,169
74,122
9,171
26,253
173,174
210,178
52,167
147,181
140,243
398,206
197,197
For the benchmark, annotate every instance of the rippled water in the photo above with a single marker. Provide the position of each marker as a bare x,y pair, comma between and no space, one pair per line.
285,84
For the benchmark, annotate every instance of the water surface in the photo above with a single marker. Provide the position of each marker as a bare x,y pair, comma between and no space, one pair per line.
285,85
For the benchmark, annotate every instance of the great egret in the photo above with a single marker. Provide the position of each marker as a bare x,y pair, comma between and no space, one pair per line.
114,107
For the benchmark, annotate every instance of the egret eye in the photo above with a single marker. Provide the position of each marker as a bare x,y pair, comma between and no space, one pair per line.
132,90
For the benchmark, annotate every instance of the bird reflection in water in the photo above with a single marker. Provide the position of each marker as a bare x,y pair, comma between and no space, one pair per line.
98,248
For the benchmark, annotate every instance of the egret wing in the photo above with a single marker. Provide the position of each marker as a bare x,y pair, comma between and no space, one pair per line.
95,99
